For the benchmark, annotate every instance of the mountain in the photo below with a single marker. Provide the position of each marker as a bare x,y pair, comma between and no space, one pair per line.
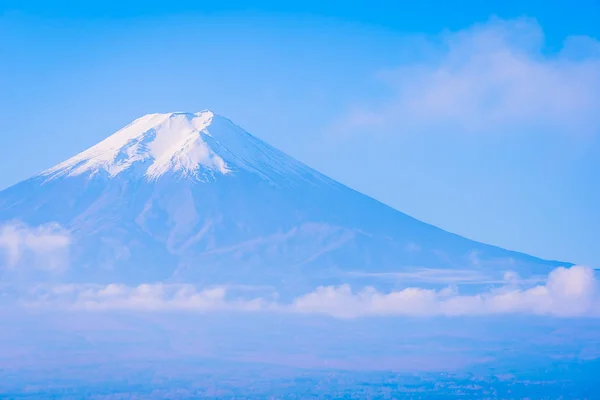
195,198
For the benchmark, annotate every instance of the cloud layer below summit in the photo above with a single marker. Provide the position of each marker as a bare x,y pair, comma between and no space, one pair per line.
568,292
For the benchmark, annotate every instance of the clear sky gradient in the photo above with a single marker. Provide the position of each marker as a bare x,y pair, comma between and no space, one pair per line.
482,118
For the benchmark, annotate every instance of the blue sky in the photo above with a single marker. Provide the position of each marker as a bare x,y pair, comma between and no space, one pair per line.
478,117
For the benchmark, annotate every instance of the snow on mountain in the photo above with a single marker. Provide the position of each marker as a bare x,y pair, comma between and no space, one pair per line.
193,197
200,145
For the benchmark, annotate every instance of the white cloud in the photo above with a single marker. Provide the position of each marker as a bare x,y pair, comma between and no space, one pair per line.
567,292
493,77
45,246
145,297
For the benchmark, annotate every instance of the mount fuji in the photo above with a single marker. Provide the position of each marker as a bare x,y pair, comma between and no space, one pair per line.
192,197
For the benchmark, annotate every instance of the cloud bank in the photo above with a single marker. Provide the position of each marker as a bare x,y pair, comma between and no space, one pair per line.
145,297
45,247
493,77
568,292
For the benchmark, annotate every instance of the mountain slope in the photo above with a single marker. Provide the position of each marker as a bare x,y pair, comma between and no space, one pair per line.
193,197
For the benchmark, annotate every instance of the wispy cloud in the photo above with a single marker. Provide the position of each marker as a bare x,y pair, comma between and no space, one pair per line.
451,276
567,292
45,247
493,77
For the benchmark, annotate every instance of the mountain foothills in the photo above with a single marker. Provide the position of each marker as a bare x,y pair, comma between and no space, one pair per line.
192,197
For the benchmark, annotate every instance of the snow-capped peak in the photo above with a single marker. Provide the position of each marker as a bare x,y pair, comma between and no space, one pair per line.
199,145
155,143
